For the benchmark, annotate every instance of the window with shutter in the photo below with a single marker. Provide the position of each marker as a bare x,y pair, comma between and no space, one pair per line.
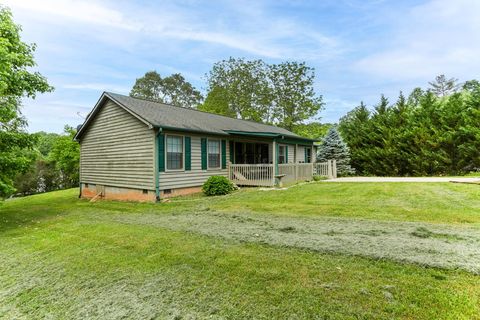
204,153
188,154
161,152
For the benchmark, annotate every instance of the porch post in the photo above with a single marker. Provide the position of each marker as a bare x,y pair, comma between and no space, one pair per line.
329,169
274,161
296,162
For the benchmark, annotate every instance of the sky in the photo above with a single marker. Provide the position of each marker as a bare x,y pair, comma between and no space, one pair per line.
359,49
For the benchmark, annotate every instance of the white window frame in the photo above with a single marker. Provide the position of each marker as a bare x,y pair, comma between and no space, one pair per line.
166,153
219,152
280,146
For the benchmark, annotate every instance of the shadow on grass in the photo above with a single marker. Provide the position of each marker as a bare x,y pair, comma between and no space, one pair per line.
30,210
25,211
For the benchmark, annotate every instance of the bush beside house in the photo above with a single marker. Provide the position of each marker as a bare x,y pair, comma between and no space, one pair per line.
217,186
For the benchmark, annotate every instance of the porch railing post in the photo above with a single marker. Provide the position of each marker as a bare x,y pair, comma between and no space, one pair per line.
274,161
334,169
329,169
229,171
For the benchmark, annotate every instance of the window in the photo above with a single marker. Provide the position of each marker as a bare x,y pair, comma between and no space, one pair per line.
308,155
214,153
174,152
281,154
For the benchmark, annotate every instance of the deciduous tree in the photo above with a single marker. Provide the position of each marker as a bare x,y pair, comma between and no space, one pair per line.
293,96
244,89
17,81
173,89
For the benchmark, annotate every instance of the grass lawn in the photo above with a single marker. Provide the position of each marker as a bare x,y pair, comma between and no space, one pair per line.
62,257
428,202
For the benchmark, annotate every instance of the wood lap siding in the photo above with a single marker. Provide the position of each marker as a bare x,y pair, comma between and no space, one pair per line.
196,176
291,153
118,150
301,154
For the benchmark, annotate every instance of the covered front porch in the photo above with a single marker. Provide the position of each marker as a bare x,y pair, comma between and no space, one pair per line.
261,161
270,175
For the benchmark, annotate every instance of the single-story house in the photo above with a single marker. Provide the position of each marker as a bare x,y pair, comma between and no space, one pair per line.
134,149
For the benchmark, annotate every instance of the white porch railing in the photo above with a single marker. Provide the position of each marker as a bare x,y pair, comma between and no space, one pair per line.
264,174
252,174
326,169
296,172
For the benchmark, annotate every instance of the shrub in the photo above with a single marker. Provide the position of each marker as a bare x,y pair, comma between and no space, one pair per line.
319,178
217,185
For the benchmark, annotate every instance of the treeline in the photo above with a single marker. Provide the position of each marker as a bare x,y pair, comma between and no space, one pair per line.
281,94
52,163
429,132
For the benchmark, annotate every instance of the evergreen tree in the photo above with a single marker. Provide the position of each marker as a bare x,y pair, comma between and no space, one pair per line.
443,87
424,134
333,148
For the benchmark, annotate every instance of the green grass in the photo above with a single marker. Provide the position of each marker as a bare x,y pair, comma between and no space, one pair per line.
65,258
427,202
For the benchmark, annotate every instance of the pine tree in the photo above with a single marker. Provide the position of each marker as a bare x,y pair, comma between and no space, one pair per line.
333,148
443,87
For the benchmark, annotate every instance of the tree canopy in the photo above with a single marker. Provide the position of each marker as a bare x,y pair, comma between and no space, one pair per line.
53,163
173,89
239,87
281,94
17,81
422,134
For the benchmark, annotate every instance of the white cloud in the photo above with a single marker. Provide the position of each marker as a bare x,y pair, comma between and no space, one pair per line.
97,87
90,12
439,37
254,30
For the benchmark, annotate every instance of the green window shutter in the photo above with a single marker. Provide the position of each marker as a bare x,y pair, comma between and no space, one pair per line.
232,156
306,154
224,154
204,153
188,153
161,152
286,154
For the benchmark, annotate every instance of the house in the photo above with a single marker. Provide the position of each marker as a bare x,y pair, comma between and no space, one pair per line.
134,149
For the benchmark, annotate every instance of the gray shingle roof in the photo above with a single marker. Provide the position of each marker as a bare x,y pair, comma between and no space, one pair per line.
168,116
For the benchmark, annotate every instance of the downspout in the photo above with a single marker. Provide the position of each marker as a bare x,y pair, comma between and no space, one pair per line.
157,173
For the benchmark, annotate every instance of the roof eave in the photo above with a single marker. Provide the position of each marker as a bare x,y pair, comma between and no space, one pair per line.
162,127
282,136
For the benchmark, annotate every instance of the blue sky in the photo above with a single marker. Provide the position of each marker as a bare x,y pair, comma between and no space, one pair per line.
359,49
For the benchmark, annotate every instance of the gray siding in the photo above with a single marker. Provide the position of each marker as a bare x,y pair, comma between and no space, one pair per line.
291,153
117,150
195,177
301,154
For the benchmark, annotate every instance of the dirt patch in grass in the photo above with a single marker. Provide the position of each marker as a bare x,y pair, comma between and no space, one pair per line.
426,244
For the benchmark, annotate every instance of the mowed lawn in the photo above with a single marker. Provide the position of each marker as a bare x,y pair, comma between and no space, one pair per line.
65,258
